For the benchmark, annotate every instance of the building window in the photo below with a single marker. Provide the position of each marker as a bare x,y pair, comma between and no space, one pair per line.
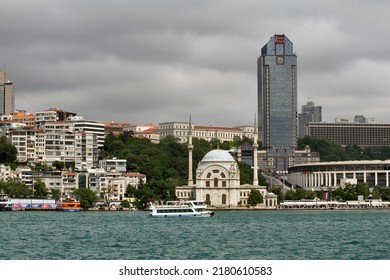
207,183
223,183
224,199
215,182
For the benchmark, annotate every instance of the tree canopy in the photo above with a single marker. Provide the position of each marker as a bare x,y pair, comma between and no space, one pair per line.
165,164
8,152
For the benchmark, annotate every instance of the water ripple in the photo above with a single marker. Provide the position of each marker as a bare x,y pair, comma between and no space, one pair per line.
286,235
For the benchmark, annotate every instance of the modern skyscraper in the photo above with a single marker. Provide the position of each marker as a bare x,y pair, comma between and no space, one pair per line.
277,99
310,113
7,94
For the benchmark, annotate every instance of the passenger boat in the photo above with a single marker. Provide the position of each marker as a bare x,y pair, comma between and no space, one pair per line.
5,202
68,203
190,208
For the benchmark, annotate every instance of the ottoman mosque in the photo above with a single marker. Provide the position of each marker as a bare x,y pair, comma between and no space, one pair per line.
218,180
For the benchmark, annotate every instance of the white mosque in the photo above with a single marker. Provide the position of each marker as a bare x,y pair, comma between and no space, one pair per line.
218,180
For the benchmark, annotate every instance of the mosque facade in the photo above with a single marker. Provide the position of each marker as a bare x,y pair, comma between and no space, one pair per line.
218,182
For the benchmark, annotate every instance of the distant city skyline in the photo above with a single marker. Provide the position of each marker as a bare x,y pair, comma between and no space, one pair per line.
143,61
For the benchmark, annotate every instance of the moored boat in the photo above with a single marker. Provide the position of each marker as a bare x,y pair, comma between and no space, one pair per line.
68,204
190,208
5,202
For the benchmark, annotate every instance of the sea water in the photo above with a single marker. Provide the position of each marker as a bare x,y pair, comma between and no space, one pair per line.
229,235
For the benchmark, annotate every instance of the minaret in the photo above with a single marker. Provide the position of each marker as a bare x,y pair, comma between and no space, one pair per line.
255,146
190,148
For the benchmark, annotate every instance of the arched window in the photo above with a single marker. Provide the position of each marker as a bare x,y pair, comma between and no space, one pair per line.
215,182
224,199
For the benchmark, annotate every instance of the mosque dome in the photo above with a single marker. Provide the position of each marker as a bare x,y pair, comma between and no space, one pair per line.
219,156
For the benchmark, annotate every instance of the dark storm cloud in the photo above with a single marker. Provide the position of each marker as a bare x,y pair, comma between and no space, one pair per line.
156,61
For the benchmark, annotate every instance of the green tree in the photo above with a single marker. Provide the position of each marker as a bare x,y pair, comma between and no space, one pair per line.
8,152
87,197
55,193
376,193
130,191
17,189
290,195
339,194
125,204
40,190
59,165
362,189
255,197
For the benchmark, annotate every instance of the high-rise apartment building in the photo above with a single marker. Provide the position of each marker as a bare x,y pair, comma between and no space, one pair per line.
277,100
310,113
7,94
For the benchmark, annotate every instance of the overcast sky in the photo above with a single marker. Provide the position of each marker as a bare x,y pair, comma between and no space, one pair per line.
152,61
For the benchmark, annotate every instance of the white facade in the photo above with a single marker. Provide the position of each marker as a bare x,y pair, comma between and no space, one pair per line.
113,164
5,172
99,179
320,175
218,183
180,131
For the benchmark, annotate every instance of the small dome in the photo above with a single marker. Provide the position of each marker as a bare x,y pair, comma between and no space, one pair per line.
218,155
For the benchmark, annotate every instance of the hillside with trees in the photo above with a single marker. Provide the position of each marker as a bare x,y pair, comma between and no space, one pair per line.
165,164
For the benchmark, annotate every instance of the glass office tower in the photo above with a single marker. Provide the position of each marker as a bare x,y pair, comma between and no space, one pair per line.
277,100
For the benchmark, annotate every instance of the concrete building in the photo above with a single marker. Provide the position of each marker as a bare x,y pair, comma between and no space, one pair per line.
5,172
180,131
309,113
52,115
277,99
113,164
326,175
344,134
7,94
55,141
91,127
23,117
100,179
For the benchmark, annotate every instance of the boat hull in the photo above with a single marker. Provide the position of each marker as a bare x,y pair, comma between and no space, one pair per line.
182,215
68,207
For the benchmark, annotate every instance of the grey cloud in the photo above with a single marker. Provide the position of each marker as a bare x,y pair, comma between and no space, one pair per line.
153,61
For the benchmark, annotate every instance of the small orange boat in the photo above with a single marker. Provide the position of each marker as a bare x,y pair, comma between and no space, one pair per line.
68,204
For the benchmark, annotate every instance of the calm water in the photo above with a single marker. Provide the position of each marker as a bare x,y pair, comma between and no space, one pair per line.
280,235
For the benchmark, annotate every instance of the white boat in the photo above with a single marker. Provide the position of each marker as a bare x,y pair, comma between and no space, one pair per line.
190,208
5,202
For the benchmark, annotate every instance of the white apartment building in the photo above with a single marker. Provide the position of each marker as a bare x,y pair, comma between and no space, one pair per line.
93,127
5,172
180,131
58,141
113,164
98,179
